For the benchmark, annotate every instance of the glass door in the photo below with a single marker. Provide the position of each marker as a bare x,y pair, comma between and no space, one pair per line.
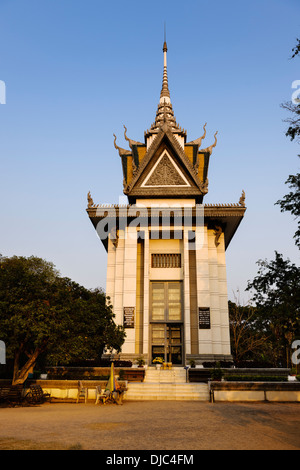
166,321
174,344
167,342
166,302
158,341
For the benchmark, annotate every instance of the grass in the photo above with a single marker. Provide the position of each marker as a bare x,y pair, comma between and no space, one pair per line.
15,444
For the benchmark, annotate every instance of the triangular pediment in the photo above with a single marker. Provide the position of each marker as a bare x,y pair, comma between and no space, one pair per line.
165,174
165,171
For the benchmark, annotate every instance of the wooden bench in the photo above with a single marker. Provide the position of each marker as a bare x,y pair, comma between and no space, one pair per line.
36,395
12,394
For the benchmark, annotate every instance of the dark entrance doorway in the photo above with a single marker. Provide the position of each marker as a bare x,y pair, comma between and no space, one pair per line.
166,321
167,342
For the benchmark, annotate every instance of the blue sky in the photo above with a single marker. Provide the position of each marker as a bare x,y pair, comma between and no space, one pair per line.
76,71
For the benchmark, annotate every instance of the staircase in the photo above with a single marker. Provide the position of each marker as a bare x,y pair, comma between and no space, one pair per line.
174,375
166,385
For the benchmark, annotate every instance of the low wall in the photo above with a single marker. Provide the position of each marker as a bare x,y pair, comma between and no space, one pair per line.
89,371
255,391
132,374
262,372
66,390
204,374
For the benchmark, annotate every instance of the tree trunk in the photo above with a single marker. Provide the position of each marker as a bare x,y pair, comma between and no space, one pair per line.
19,376
16,366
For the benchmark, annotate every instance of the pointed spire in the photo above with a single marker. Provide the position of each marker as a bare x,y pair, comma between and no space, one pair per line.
164,113
165,93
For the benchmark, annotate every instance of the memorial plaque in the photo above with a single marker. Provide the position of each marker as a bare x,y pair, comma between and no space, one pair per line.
128,313
204,318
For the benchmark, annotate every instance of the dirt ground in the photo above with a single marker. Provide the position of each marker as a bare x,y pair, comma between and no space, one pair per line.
154,425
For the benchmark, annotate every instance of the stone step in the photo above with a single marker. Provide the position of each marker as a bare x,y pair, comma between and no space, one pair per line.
155,391
167,376
163,391
166,386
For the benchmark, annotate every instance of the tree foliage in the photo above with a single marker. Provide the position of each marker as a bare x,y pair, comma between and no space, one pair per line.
248,341
294,108
293,131
276,296
291,202
43,312
266,329
296,49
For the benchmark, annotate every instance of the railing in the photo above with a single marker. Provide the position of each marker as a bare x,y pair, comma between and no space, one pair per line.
162,260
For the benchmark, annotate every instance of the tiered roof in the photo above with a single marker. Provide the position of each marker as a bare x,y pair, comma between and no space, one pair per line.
166,133
166,166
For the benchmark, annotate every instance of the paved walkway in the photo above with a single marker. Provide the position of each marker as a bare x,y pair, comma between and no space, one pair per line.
152,425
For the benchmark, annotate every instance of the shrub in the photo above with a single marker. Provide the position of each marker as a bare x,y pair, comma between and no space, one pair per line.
75,375
216,373
223,364
255,378
255,365
98,363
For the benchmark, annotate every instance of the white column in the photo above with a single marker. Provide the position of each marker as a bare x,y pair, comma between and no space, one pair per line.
186,293
129,283
203,288
119,279
146,292
214,294
223,297
110,273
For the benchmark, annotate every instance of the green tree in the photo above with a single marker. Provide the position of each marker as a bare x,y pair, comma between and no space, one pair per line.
276,295
296,49
291,202
276,288
293,131
248,340
87,326
42,312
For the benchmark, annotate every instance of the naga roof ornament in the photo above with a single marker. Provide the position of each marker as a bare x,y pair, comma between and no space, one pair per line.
199,140
130,141
122,152
210,148
242,199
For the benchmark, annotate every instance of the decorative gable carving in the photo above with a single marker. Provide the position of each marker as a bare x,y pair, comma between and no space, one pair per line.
165,173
